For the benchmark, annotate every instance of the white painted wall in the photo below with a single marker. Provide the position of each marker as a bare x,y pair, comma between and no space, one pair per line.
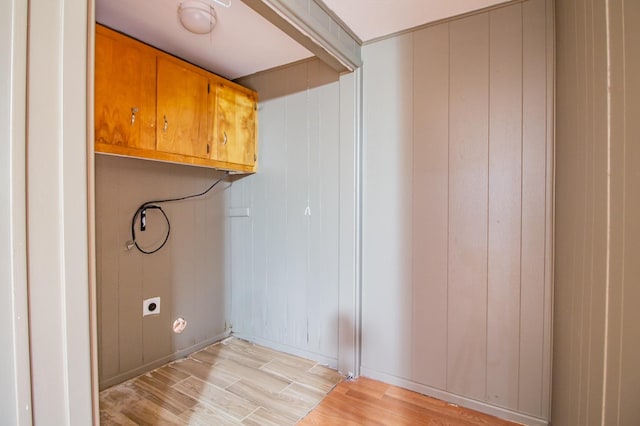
15,389
57,212
457,210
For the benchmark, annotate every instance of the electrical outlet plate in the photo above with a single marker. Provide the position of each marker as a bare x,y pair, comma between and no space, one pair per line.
151,306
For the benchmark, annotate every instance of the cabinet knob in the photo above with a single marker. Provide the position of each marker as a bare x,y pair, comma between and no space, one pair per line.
224,141
134,110
166,124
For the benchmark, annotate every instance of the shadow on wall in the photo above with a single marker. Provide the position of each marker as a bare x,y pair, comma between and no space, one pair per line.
290,79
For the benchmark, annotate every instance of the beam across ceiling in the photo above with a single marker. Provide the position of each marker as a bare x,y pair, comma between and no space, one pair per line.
308,23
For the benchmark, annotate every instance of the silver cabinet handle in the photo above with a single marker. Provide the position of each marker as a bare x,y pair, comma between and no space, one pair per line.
166,124
134,110
224,142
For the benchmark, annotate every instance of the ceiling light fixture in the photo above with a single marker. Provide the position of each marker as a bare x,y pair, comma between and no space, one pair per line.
199,16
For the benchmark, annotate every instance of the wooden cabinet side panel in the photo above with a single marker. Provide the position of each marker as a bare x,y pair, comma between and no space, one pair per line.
125,91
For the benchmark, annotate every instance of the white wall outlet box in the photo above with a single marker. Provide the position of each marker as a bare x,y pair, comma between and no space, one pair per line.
151,306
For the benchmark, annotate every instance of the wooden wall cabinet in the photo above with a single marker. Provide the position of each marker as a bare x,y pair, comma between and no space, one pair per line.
235,129
125,92
182,109
151,105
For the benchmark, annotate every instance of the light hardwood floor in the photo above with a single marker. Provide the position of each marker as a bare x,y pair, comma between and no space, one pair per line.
235,382
229,383
369,402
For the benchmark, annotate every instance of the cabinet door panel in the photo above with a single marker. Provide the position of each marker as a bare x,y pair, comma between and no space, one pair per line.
125,91
182,110
236,125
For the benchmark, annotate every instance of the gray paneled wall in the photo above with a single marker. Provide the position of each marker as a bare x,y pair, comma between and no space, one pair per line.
15,379
596,374
458,210
190,273
285,255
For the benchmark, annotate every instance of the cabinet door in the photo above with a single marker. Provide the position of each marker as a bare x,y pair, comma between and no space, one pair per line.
182,109
235,125
125,91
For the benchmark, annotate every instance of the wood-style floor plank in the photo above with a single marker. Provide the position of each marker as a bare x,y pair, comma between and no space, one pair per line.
294,374
236,353
146,413
264,417
206,372
304,393
276,402
270,354
260,378
171,373
235,382
163,395
327,373
201,415
369,402
221,385
216,398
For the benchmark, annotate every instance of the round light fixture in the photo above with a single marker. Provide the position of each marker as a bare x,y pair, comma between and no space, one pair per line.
197,16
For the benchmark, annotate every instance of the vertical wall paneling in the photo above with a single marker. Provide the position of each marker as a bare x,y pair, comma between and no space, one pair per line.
261,198
187,274
581,222
468,198
323,217
615,406
550,167
164,282
350,223
565,238
505,205
273,164
213,245
628,373
534,151
457,240
594,316
596,378
128,281
291,279
581,247
108,272
241,254
430,203
315,214
56,199
15,392
387,186
297,231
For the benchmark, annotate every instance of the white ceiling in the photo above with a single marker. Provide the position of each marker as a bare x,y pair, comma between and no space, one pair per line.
371,19
243,42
